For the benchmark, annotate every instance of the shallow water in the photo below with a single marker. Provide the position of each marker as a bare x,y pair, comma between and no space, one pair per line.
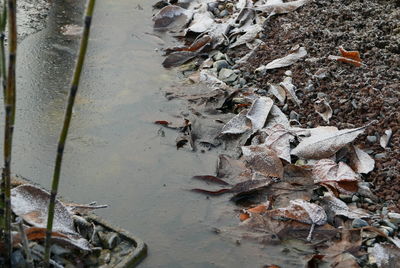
114,153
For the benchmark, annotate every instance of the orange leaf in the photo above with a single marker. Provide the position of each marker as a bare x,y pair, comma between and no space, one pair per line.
257,209
354,55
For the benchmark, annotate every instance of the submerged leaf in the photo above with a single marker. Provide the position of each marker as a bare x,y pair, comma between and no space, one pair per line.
324,144
171,16
263,160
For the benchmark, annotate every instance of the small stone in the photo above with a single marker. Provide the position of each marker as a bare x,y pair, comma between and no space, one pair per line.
288,73
346,198
389,224
223,13
355,199
370,242
321,95
294,116
388,230
372,139
242,81
17,259
394,217
380,156
385,211
219,56
358,223
227,75
369,201
219,64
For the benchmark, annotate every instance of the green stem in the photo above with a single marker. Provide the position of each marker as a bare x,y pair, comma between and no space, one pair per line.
9,124
65,128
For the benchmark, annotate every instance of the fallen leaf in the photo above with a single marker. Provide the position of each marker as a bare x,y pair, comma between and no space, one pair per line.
354,55
360,161
278,91
259,111
340,176
288,86
238,124
285,61
334,206
178,58
171,16
279,141
249,35
279,7
385,139
323,108
324,144
257,209
201,22
263,160
276,116
197,46
210,178
31,204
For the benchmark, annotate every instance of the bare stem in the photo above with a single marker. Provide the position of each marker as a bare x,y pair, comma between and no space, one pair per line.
65,128
9,124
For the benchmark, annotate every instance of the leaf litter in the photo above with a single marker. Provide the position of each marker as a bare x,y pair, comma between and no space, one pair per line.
290,181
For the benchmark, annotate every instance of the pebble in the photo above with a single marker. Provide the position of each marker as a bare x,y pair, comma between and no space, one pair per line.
293,115
369,201
346,198
242,81
355,199
227,75
372,139
223,13
394,217
220,64
389,224
358,223
17,259
380,155
219,56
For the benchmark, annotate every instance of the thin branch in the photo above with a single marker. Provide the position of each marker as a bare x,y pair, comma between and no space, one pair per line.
65,128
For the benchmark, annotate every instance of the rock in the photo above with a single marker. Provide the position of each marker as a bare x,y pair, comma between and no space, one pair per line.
394,217
346,198
227,75
389,224
223,13
369,201
60,251
372,139
220,64
219,56
17,259
355,199
242,81
358,223
380,156
385,211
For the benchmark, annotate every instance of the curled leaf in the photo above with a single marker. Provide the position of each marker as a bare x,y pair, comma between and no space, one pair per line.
360,161
288,60
171,16
385,139
323,108
259,111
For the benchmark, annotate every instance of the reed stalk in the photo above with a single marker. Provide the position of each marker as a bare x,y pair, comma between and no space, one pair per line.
9,105
3,78
65,128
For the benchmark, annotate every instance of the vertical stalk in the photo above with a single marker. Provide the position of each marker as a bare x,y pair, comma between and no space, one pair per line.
9,124
65,128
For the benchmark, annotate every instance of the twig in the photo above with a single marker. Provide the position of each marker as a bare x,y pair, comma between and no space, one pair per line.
65,128
29,260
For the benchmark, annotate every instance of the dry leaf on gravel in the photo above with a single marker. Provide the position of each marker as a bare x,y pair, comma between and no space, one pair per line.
31,204
323,108
337,176
278,91
171,16
352,57
249,35
276,116
385,139
334,206
263,160
259,111
201,22
360,161
178,58
279,141
288,60
280,7
287,85
325,143
197,45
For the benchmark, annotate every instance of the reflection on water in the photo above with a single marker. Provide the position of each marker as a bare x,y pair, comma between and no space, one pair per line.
114,154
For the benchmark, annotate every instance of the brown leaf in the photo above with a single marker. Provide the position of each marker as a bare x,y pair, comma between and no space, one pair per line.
339,176
259,111
31,204
197,46
324,144
178,58
263,160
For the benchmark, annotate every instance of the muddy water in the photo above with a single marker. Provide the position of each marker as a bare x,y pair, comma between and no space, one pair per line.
114,154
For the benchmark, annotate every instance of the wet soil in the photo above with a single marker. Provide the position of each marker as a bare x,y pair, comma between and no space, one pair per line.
357,96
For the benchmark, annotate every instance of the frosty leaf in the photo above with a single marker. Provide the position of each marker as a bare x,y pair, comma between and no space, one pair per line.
285,61
339,176
301,211
336,206
288,86
278,7
276,116
278,92
237,125
279,141
323,108
261,159
258,112
31,204
385,139
325,144
201,22
250,34
360,161
178,58
171,16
